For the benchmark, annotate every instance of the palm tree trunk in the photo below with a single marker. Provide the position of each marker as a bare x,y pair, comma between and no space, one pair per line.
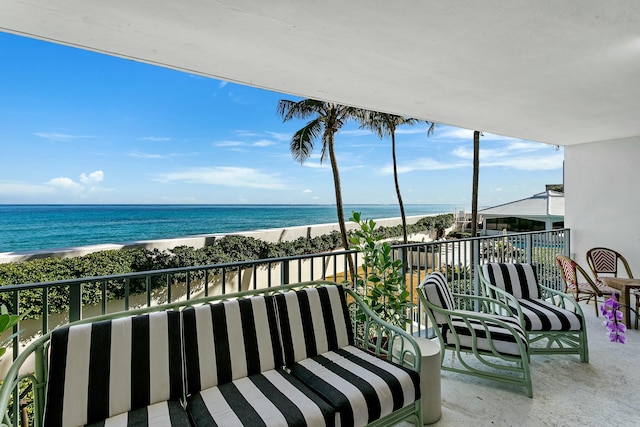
476,171
395,179
340,210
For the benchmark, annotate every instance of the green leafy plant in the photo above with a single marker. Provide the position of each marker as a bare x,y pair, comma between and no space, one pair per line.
8,321
381,279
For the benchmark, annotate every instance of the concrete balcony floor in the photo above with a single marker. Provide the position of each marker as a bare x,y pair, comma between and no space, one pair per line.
604,391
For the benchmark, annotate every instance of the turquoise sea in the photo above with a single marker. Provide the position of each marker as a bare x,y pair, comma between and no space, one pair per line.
42,227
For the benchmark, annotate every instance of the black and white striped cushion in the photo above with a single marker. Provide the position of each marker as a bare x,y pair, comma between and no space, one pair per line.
502,339
437,292
230,340
520,280
361,386
541,315
273,398
170,413
313,321
102,369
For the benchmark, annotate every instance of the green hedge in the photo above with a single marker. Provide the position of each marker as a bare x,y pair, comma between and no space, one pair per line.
228,249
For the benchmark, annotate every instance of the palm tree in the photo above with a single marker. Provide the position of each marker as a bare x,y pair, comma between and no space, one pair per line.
326,119
385,124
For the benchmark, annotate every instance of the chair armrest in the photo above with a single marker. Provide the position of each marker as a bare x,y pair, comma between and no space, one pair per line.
371,332
561,299
477,318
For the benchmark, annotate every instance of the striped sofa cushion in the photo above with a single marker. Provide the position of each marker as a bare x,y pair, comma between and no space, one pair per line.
230,340
359,385
520,280
313,321
541,315
502,339
102,369
170,413
273,398
437,292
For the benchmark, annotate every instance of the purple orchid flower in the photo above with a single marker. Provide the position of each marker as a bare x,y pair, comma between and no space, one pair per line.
615,328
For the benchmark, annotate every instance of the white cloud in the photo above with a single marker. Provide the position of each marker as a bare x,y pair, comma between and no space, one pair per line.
279,136
424,164
516,154
155,138
96,176
222,84
263,143
307,191
140,155
229,143
15,188
65,183
229,176
63,137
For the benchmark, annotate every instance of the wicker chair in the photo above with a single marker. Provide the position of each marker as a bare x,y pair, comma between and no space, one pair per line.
486,345
553,321
604,262
582,290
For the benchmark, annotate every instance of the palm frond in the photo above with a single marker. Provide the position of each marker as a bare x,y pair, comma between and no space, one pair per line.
303,140
288,109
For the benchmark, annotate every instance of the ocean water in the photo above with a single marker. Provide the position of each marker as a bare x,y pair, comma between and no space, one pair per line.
42,227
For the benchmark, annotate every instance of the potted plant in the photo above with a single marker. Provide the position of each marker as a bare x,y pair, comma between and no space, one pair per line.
380,280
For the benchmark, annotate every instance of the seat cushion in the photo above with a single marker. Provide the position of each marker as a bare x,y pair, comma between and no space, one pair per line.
519,280
502,339
313,321
228,340
360,385
273,398
436,290
101,369
541,315
159,414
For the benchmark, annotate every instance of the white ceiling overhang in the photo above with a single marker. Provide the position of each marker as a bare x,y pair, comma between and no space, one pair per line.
560,72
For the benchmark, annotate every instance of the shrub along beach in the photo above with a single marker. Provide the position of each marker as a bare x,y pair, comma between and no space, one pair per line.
225,249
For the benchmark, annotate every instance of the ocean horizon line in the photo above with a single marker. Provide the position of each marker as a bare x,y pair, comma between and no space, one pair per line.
37,227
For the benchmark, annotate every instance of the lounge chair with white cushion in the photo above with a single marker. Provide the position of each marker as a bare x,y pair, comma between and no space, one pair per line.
486,345
549,317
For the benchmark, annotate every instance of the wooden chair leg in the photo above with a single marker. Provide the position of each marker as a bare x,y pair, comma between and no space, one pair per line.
637,308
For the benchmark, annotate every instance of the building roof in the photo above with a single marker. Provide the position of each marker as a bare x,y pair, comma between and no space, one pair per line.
559,72
545,204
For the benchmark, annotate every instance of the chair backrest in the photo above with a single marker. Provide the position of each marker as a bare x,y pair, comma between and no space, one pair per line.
313,321
569,270
436,291
520,280
120,365
604,262
228,340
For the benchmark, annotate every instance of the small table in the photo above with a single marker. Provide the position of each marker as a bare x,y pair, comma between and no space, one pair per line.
624,285
429,378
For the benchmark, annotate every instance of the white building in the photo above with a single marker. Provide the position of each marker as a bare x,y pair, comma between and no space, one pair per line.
542,211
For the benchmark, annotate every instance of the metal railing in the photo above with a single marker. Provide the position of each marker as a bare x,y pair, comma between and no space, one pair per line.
456,258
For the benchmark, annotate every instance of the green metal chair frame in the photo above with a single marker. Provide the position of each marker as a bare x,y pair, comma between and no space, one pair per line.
504,368
369,330
555,342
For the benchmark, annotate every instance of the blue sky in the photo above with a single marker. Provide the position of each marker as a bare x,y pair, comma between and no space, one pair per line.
80,127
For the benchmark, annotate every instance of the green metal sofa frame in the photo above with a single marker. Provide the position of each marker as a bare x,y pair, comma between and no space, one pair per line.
284,355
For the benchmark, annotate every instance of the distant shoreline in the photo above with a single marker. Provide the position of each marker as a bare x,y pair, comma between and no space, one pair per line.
272,235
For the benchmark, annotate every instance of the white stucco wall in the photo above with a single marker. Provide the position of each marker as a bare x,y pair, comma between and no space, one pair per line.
602,198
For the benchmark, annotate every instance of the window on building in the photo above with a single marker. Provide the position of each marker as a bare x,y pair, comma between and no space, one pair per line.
514,224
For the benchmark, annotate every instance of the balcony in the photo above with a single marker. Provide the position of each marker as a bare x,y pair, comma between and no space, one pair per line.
564,388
